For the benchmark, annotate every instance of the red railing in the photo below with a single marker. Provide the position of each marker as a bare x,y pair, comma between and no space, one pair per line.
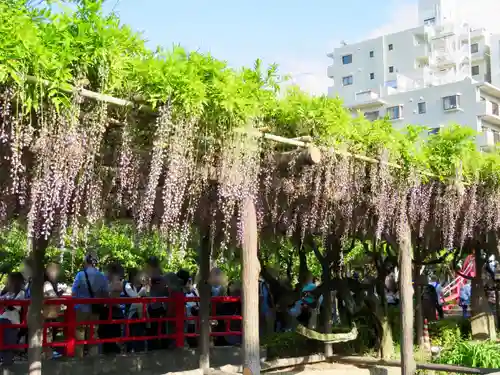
176,314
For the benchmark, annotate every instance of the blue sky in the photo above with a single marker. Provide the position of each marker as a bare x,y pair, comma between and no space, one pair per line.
296,34
240,31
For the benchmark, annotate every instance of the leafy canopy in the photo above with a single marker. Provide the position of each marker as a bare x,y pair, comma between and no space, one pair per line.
75,43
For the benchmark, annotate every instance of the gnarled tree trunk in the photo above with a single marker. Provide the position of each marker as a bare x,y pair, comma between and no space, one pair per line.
328,311
419,316
482,321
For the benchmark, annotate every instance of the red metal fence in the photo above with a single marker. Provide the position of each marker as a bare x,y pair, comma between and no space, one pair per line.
68,322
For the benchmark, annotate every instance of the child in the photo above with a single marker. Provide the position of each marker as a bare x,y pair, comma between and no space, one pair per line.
11,315
465,297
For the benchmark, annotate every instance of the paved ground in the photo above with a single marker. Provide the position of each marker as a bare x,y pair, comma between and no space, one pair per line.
324,368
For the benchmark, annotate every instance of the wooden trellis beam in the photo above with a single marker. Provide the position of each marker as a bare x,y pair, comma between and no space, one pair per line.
302,142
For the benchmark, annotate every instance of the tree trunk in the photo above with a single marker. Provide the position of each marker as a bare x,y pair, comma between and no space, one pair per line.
328,311
250,279
497,308
408,365
386,340
205,294
303,269
381,308
35,318
482,321
419,316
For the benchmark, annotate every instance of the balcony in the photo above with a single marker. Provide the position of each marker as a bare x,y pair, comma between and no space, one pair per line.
401,84
487,138
444,57
427,31
490,112
330,71
422,51
367,98
480,54
446,30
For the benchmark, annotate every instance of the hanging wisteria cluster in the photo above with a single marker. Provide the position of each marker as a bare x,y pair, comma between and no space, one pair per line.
347,196
60,177
68,161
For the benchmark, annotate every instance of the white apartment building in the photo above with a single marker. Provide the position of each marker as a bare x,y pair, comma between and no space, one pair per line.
440,72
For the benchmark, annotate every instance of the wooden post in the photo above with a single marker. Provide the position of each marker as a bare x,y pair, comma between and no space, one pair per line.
250,278
35,318
205,294
408,365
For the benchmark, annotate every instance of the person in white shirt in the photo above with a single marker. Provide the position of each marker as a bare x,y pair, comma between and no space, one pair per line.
51,312
136,286
11,315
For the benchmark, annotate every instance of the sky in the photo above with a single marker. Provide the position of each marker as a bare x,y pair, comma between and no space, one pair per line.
295,34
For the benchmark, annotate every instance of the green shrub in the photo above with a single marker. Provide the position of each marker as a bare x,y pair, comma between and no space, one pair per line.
483,354
446,332
289,344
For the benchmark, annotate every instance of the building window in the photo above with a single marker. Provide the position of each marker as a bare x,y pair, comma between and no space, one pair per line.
372,116
451,102
347,81
474,48
494,109
495,133
422,107
346,59
391,47
372,75
372,53
394,113
391,69
430,21
496,136
475,70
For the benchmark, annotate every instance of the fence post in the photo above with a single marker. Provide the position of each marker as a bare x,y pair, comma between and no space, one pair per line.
70,329
180,313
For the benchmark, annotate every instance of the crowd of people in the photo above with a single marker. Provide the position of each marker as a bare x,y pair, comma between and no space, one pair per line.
114,282
151,281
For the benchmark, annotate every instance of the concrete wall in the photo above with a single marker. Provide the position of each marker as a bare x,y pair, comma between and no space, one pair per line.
495,59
